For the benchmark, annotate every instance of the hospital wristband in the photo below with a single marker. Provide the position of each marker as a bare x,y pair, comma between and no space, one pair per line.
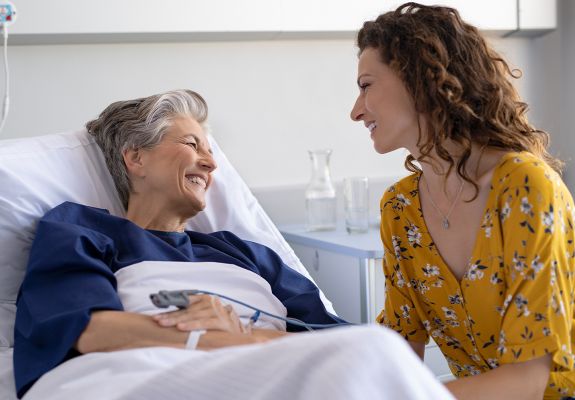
194,338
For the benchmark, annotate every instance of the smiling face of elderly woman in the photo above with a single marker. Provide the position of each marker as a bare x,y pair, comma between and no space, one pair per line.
174,174
157,151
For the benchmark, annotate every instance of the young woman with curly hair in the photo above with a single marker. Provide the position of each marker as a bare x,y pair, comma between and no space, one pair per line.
479,239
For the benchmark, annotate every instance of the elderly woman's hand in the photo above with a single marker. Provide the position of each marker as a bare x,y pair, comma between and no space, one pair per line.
204,312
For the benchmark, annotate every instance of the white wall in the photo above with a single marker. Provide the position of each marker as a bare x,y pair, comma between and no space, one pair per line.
552,87
269,101
565,81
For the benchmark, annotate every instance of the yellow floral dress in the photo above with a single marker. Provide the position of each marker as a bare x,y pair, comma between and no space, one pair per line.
515,301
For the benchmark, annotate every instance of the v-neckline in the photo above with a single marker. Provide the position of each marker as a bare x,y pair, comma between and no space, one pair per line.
433,246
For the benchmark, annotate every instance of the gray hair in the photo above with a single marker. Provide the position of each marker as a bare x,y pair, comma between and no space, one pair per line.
140,124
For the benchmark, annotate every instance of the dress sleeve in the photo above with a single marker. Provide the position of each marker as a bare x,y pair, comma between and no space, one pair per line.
67,278
399,311
537,236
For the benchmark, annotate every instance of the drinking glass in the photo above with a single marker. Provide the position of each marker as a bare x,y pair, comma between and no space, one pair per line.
356,204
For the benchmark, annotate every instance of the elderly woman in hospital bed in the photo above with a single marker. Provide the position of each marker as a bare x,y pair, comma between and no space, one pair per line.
85,325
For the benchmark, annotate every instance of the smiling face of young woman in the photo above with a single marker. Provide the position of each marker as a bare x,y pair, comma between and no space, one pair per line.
176,173
384,105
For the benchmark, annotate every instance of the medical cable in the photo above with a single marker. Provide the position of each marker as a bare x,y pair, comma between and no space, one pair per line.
253,319
6,104
179,298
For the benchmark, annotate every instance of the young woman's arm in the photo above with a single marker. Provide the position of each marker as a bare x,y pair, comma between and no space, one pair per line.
522,381
419,348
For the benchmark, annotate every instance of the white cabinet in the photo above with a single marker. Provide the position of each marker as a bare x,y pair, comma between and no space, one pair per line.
348,269
436,362
144,16
72,21
341,278
537,15
338,16
488,15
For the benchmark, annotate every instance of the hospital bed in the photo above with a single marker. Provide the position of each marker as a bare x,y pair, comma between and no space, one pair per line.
39,173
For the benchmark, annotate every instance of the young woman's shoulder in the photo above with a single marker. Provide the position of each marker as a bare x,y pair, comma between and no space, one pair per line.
523,169
401,194
404,185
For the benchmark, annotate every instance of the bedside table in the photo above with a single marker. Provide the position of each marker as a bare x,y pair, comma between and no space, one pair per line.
348,269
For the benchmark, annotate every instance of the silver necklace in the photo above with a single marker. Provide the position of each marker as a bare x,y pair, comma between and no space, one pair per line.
445,218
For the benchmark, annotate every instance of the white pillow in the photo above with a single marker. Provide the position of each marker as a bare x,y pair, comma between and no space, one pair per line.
39,173
7,384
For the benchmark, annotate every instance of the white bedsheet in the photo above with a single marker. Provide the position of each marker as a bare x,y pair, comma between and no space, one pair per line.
137,281
367,362
361,362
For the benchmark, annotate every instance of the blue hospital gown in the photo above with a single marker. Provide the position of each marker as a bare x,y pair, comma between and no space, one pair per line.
77,250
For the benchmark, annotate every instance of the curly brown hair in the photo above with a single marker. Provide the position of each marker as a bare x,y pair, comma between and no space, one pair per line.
457,81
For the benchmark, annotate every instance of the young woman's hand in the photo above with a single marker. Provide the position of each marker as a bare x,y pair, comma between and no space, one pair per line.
203,312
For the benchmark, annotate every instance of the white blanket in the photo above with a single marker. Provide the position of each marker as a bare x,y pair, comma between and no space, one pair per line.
367,362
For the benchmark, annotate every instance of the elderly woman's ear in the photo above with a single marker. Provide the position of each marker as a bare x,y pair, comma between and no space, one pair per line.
134,162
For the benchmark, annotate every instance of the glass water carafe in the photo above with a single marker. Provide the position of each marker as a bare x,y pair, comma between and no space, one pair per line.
320,193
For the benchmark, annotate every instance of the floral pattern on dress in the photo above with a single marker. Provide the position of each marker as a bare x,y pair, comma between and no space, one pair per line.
516,300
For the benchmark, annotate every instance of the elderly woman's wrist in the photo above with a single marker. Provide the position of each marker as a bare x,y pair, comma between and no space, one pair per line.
194,338
264,335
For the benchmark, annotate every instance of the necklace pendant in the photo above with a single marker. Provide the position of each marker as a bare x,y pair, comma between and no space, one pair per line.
445,223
